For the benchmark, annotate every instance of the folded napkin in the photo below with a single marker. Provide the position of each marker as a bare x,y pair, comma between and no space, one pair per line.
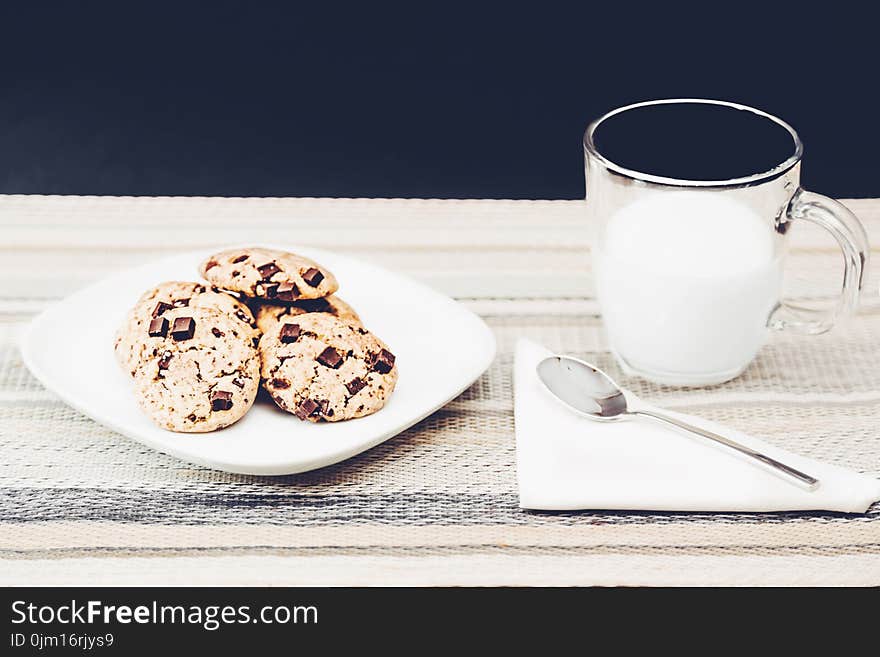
565,461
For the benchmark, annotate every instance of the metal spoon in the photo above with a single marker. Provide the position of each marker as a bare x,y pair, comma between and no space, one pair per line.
590,392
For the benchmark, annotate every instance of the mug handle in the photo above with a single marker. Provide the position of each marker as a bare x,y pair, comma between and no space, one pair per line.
853,240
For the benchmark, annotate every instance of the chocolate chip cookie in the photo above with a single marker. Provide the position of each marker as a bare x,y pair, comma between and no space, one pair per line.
268,315
166,300
198,371
322,368
268,274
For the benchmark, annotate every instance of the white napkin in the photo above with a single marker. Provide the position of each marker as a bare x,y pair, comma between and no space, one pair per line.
565,461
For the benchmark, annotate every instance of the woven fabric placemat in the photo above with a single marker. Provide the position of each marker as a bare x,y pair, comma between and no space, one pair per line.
438,503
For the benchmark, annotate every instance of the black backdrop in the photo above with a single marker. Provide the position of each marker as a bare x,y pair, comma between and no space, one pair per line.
415,100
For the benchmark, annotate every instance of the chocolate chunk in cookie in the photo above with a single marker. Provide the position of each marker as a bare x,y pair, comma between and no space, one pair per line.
355,385
267,270
330,358
221,400
289,333
184,328
382,362
165,360
161,307
158,327
313,276
307,408
287,292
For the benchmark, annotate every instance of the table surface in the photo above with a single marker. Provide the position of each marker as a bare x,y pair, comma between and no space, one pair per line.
80,504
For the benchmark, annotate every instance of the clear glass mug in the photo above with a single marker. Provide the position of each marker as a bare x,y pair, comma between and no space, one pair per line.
689,272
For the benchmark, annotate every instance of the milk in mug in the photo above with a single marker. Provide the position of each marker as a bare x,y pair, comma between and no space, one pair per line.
686,281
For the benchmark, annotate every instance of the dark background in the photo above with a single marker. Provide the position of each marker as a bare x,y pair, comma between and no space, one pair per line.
415,100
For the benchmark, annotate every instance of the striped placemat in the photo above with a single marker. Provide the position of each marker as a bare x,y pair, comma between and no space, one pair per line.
438,503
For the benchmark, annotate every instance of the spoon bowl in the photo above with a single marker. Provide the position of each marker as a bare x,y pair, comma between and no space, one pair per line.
584,388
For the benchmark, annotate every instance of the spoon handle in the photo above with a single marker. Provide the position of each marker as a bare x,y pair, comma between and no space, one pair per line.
789,473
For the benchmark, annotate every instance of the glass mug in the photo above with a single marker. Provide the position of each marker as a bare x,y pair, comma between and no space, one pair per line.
690,203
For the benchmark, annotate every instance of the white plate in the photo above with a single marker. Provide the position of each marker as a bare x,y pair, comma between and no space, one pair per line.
441,348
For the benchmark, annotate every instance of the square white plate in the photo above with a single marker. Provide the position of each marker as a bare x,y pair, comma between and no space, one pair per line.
441,348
